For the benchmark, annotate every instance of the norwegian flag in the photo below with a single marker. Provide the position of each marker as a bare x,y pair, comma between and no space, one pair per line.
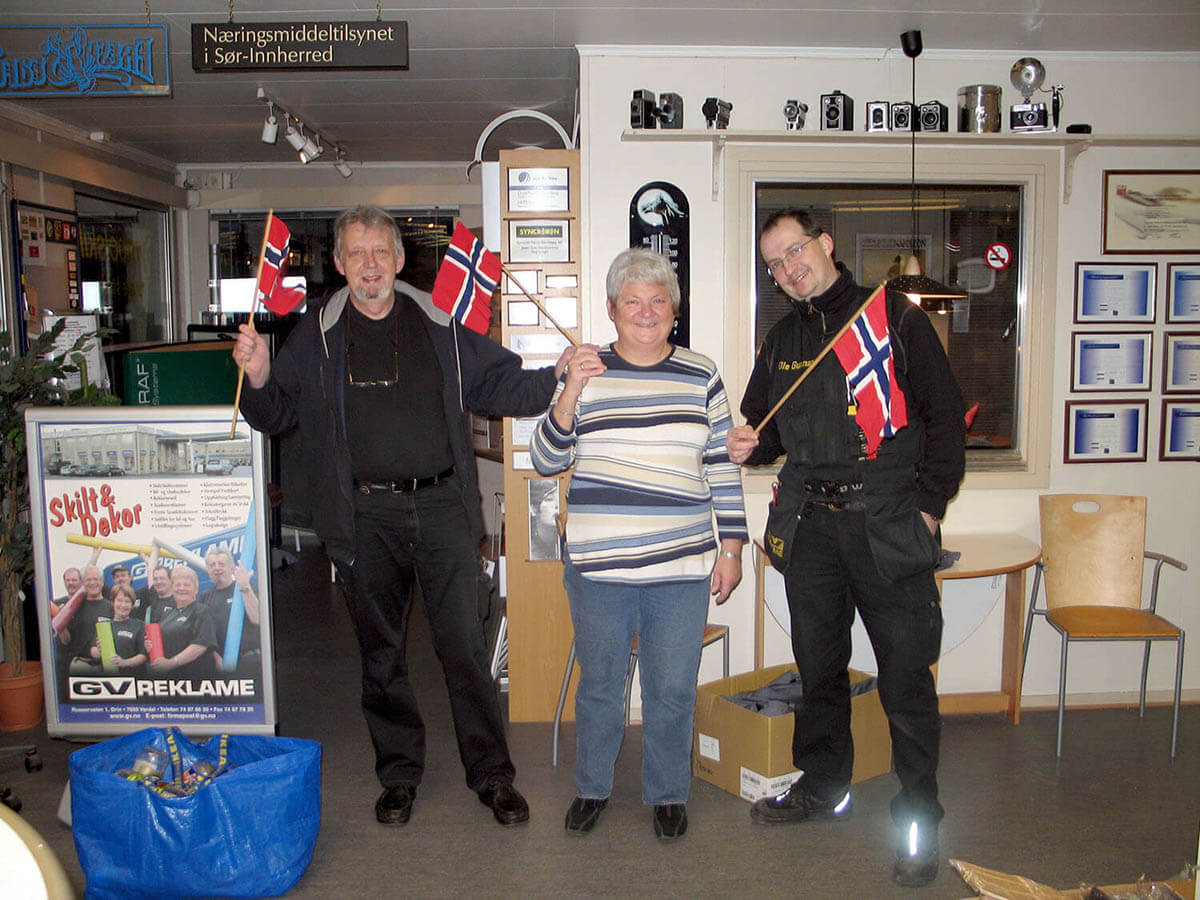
271,292
865,352
466,280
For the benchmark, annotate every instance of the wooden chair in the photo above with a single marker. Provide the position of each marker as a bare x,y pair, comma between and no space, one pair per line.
1093,552
712,634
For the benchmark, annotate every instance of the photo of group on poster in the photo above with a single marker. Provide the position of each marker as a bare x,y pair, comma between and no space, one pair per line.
152,570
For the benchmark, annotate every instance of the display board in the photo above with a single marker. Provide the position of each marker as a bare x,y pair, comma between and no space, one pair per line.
540,241
48,278
112,491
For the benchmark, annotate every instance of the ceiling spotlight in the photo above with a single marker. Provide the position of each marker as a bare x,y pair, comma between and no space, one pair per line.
311,150
270,126
294,134
341,165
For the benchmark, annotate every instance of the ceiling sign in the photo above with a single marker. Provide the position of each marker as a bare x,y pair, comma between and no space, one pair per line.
227,46
84,60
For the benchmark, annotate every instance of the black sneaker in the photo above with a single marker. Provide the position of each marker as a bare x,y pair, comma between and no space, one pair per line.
797,804
916,856
670,821
583,814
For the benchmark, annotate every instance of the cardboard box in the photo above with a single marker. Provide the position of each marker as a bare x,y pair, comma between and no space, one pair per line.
750,754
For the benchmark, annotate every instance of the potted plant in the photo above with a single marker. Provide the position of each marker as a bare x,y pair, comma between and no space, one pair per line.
33,379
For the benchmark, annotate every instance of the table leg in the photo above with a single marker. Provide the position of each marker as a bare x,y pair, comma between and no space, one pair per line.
1010,662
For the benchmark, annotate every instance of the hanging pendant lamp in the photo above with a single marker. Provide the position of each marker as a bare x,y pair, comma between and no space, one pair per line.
931,295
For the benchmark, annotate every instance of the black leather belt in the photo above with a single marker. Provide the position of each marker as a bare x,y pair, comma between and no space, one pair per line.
832,488
806,511
403,485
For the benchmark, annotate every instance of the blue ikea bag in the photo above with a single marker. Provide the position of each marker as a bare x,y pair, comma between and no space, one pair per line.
249,832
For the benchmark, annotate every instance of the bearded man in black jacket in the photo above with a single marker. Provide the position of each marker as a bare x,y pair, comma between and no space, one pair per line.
378,381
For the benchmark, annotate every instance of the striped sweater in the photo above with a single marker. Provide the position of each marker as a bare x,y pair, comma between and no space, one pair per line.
651,470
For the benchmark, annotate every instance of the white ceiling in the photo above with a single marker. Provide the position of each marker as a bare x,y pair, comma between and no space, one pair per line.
472,60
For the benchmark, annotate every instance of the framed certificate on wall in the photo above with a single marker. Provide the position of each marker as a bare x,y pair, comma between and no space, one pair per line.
1114,293
1110,361
1100,431
1180,430
1183,292
1181,362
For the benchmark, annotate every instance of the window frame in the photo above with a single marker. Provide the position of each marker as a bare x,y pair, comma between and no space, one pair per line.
1036,170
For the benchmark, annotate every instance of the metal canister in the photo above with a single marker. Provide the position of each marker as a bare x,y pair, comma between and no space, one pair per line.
979,108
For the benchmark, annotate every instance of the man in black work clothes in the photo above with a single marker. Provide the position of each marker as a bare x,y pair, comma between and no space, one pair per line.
379,380
855,531
75,640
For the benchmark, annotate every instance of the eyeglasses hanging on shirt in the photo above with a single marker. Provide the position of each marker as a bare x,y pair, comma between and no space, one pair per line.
376,382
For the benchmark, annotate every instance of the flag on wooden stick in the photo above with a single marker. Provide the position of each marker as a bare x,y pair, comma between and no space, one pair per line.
271,292
466,280
865,352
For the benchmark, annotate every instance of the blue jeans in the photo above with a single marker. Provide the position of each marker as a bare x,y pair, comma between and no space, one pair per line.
668,620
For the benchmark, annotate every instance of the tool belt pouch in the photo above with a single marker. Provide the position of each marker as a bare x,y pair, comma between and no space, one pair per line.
783,516
900,542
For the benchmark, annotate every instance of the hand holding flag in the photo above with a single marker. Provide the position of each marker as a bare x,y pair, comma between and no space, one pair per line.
269,289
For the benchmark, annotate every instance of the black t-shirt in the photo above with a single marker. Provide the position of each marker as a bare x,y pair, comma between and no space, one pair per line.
157,608
82,626
183,627
396,429
129,637
219,602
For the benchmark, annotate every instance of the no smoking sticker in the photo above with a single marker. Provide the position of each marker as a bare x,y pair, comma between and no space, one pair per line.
997,256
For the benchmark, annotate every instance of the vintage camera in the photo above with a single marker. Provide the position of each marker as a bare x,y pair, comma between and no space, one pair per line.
716,112
837,112
1027,75
903,116
646,112
669,110
794,113
641,110
878,118
1028,117
933,116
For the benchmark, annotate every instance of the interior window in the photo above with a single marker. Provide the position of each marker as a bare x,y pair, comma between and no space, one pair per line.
123,268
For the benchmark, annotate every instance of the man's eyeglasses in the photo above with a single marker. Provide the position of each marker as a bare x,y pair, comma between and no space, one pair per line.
777,265
384,383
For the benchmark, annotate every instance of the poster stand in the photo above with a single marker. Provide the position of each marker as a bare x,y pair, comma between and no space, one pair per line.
115,490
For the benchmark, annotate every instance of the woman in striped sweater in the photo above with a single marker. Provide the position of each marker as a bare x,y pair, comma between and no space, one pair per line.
656,525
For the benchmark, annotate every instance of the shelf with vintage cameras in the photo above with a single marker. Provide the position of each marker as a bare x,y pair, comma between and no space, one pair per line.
1072,144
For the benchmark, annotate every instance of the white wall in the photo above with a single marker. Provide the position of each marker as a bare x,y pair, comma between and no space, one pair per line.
1117,95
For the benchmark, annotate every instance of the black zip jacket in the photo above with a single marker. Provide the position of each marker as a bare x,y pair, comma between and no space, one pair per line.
307,386
821,440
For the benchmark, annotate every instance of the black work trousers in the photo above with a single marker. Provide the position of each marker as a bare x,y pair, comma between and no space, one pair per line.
830,574
422,539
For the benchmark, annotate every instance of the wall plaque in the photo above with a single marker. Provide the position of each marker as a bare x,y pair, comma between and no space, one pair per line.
230,46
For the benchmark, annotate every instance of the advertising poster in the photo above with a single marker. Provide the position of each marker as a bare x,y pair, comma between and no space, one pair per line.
152,570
